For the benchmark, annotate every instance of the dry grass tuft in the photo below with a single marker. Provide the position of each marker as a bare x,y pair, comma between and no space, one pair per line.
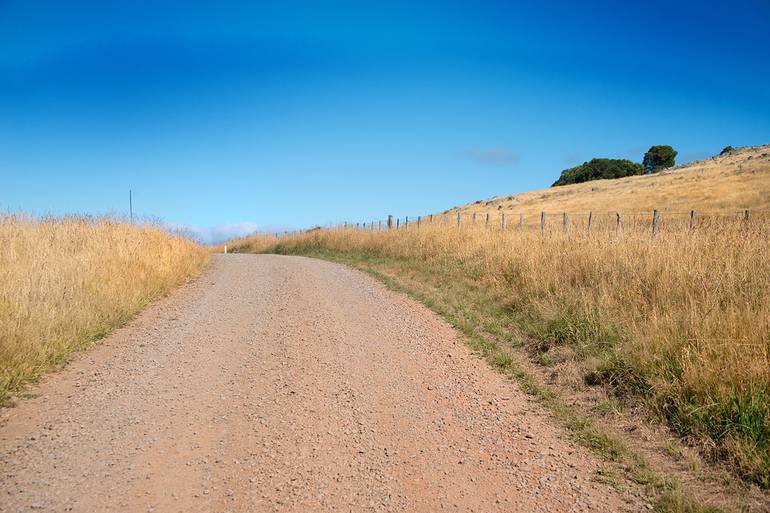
67,282
681,321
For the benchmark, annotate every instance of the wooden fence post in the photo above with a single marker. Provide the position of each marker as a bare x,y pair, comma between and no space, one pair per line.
418,221
521,221
590,220
473,218
379,225
618,224
406,222
565,222
655,222
692,220
502,221
390,222
746,215
458,219
486,222
542,221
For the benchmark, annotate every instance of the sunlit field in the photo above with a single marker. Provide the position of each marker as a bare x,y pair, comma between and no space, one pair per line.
737,180
67,282
678,320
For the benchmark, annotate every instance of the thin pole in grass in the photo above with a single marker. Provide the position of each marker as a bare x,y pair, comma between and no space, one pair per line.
458,219
565,222
418,221
655,223
486,222
390,222
398,221
692,220
746,215
502,221
473,218
521,221
406,222
590,220
618,225
542,221
431,219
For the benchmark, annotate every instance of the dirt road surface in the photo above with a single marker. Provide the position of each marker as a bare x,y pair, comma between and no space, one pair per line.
288,384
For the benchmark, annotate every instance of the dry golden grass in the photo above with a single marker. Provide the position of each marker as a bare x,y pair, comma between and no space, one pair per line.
681,321
66,282
736,181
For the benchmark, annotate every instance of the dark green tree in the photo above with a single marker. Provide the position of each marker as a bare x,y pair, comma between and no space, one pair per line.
727,150
658,158
598,169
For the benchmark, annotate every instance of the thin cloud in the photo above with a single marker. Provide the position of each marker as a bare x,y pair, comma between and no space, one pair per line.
571,158
221,232
490,156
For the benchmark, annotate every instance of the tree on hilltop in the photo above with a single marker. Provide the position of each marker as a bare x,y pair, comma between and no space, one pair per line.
658,158
598,169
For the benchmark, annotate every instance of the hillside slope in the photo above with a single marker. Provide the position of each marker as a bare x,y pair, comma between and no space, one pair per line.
723,184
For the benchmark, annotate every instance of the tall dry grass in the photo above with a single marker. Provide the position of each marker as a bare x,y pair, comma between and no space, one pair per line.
66,282
681,321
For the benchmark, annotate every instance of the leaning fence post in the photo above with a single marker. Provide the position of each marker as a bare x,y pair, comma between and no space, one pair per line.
565,222
655,222
692,220
542,221
618,225
502,221
590,220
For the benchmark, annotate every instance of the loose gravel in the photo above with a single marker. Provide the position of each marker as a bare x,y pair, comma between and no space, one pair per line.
288,384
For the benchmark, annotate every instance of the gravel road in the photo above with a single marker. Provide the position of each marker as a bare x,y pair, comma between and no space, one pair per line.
288,384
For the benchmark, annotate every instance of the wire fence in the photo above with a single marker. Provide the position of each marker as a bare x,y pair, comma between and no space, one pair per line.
546,222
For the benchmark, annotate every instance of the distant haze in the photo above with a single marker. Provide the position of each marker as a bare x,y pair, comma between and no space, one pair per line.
220,233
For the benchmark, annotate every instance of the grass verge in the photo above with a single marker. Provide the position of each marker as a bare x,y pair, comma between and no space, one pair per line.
65,283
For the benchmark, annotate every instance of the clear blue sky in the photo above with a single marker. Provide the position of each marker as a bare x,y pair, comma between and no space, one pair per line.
293,113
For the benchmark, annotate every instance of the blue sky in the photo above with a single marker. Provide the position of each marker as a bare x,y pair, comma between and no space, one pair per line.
234,115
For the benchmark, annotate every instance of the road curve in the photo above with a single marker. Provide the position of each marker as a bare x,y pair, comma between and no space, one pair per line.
287,384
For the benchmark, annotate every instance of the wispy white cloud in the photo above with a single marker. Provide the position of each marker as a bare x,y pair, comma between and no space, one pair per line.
221,232
490,156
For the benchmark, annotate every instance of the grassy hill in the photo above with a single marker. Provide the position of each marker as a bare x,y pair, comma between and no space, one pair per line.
723,184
